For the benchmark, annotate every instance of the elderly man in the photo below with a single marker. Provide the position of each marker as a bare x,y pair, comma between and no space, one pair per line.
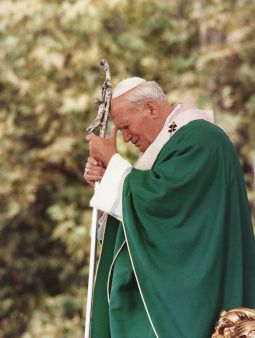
178,245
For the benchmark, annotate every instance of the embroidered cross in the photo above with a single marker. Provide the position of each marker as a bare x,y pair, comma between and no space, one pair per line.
172,127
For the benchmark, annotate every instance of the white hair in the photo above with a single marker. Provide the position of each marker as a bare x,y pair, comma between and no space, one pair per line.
145,91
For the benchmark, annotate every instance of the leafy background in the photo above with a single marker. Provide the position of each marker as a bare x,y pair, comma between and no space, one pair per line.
49,79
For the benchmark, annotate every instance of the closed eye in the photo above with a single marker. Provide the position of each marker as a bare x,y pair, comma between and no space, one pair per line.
123,127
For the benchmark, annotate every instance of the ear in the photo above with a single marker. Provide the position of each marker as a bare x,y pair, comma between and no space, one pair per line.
153,109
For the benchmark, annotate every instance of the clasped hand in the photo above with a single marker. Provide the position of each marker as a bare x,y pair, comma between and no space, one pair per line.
101,151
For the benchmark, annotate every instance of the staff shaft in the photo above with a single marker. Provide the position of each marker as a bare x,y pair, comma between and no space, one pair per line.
92,263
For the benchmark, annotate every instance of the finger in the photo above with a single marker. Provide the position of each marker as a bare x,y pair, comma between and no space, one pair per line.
96,168
89,175
90,166
89,137
101,164
92,161
98,171
94,178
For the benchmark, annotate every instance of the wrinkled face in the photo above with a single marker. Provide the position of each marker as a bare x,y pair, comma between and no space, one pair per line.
134,121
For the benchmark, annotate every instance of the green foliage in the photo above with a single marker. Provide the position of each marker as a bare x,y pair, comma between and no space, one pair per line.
49,80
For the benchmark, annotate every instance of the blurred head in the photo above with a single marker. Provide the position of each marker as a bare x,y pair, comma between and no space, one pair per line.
139,112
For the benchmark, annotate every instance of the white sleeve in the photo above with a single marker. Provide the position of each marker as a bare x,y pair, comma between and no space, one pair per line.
108,193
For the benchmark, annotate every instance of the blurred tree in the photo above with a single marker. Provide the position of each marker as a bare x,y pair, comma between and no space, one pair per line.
49,80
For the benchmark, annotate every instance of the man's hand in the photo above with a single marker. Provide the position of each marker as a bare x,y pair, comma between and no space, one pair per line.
102,149
94,171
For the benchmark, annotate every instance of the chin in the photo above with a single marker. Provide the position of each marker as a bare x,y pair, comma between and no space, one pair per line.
142,149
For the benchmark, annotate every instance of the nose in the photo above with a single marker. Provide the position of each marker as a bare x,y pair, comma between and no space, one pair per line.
126,135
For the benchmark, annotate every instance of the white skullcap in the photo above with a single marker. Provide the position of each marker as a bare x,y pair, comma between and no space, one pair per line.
126,85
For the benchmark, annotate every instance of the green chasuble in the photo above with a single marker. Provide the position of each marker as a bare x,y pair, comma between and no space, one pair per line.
185,249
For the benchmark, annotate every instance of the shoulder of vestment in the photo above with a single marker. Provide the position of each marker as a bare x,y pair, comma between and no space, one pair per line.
198,134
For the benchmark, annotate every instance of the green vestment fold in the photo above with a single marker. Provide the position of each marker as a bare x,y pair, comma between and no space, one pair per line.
189,247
